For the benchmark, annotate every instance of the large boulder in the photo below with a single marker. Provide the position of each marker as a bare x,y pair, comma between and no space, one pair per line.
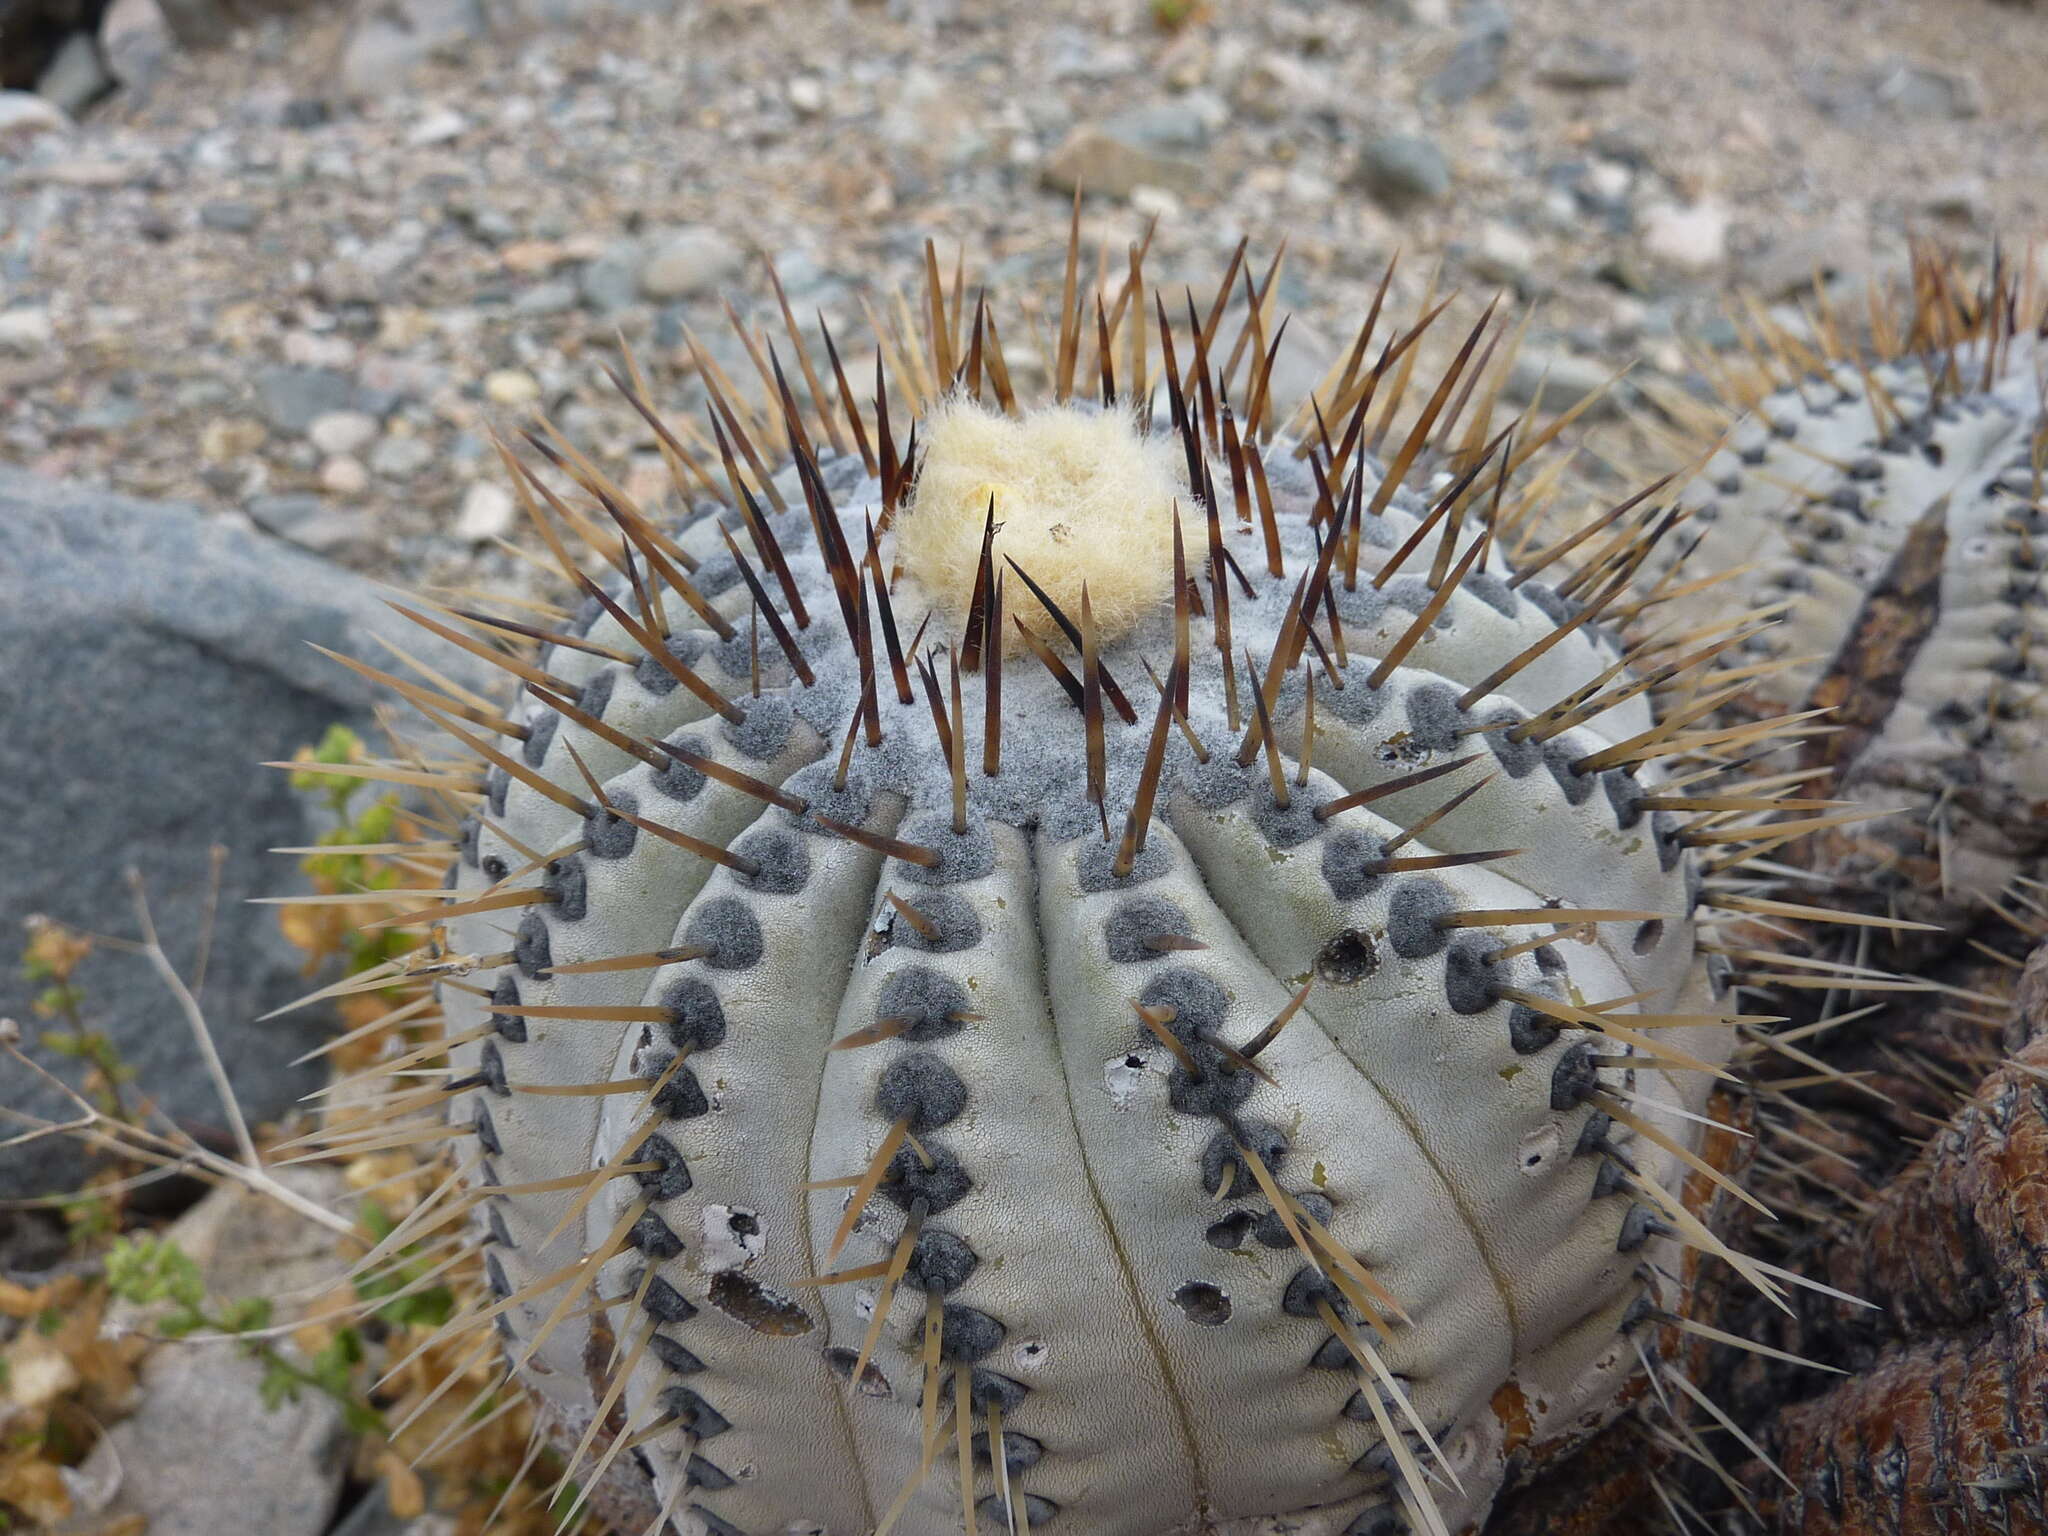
150,660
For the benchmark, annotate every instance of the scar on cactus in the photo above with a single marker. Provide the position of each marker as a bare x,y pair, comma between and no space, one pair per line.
1124,959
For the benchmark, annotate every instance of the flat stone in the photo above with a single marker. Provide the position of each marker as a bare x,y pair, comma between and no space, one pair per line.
488,512
343,431
1585,64
292,399
1966,199
1564,378
689,261
26,332
1183,124
511,386
400,458
440,126
390,41
24,115
1686,237
1786,267
168,651
344,475
1913,89
1094,158
230,215
555,297
1502,253
1403,169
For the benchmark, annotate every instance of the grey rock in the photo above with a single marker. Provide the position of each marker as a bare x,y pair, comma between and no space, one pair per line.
1183,124
687,261
136,42
202,1455
109,414
1585,64
1786,267
553,297
1912,89
1565,378
230,215
26,332
1965,199
1402,169
1111,159
400,458
150,660
290,399
74,78
611,283
307,521
25,116
391,41
1474,66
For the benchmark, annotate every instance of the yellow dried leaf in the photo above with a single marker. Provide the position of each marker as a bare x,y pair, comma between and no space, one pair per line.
403,1490
35,1487
38,1372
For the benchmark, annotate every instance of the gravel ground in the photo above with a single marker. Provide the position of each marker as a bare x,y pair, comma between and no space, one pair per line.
299,290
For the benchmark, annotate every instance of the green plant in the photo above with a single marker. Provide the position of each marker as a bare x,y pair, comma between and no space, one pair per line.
153,1271
52,956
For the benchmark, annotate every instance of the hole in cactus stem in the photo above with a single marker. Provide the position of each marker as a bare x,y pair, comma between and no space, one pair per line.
1203,1303
1349,957
1648,935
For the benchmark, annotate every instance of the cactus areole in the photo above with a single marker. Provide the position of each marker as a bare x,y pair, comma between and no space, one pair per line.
1079,966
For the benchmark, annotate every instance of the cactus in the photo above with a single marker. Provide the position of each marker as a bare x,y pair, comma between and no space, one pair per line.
1889,497
1054,965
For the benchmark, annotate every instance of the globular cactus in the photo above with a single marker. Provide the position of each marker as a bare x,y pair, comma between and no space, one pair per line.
1887,496
1037,968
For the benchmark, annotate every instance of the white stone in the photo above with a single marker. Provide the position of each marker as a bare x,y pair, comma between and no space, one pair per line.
487,512
24,114
1503,254
1689,238
511,386
339,432
344,476
135,40
437,127
26,331
687,261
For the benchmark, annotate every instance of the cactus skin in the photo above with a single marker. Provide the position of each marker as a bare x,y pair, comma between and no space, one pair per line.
1895,503
855,971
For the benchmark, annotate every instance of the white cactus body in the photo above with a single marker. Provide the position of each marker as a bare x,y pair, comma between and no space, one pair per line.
986,1079
1154,1351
